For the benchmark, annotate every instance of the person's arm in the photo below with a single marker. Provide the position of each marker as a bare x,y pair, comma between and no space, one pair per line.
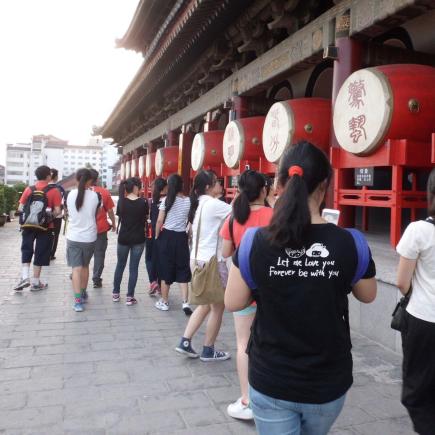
227,248
405,272
112,219
159,223
237,294
365,290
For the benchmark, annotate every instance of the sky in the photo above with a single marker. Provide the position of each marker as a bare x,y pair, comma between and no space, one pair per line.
60,70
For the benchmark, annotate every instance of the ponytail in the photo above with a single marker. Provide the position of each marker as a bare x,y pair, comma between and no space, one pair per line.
302,168
82,176
159,185
175,186
202,181
250,185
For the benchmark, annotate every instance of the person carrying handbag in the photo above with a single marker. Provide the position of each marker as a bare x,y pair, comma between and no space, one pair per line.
417,267
206,214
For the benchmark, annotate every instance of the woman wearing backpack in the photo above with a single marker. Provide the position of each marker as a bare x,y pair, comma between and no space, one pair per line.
173,244
159,191
82,205
248,211
211,212
300,269
417,267
132,212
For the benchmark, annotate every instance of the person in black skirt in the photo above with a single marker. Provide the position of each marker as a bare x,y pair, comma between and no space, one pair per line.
159,190
172,243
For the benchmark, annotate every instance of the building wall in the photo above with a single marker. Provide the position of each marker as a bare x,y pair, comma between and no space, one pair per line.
21,163
2,174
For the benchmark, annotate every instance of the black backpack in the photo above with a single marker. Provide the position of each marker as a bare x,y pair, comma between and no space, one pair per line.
34,215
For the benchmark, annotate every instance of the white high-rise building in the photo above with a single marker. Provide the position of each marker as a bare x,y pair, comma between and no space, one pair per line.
21,161
55,153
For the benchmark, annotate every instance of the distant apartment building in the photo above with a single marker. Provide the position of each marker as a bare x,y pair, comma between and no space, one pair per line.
2,174
21,161
57,153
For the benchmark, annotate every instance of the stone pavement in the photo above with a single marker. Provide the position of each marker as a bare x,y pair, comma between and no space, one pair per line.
112,369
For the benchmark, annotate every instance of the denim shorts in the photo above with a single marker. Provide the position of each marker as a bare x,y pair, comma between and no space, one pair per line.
276,417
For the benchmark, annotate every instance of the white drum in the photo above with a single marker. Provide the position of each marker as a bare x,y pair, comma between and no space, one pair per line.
234,144
133,168
362,111
159,162
128,169
141,166
122,171
198,152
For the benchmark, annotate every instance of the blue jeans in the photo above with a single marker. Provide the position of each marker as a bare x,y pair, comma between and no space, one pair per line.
280,417
135,252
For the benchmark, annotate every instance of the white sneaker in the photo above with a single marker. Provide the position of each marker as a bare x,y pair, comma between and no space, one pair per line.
162,305
186,308
240,410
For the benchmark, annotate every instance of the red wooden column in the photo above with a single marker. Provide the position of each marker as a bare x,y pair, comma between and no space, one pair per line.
185,140
396,206
350,59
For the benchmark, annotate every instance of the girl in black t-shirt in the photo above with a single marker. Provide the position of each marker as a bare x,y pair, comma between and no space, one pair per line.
300,364
132,211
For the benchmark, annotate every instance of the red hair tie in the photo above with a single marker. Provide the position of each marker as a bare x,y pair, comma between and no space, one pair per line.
295,170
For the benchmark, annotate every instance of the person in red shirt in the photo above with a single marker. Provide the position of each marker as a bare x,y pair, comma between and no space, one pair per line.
103,227
38,244
248,211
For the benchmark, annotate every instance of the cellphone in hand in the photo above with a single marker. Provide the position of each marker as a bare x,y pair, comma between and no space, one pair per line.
331,215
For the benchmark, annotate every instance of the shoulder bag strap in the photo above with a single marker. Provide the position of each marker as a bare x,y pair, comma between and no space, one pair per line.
231,229
431,220
197,232
244,254
363,253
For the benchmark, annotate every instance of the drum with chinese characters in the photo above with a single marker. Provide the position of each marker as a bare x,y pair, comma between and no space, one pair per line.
288,122
385,102
207,150
166,160
243,141
150,164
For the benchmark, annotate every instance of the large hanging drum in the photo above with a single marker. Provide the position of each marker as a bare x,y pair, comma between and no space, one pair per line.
207,150
134,168
127,169
243,140
122,171
141,166
166,160
149,164
385,102
288,122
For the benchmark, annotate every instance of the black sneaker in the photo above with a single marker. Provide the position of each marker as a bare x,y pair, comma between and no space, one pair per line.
186,348
98,283
209,354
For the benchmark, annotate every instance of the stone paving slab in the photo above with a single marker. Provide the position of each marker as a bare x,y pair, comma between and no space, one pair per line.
112,369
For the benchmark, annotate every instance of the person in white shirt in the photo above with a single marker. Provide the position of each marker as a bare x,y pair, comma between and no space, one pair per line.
212,212
417,267
82,205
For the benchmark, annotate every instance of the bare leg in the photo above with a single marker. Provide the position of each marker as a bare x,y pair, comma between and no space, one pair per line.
184,290
84,277
76,279
243,330
196,320
165,291
36,271
214,323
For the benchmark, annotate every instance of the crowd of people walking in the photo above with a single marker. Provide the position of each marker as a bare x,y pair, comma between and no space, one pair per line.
288,283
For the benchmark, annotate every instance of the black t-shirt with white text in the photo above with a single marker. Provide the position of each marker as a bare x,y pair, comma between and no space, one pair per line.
300,344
